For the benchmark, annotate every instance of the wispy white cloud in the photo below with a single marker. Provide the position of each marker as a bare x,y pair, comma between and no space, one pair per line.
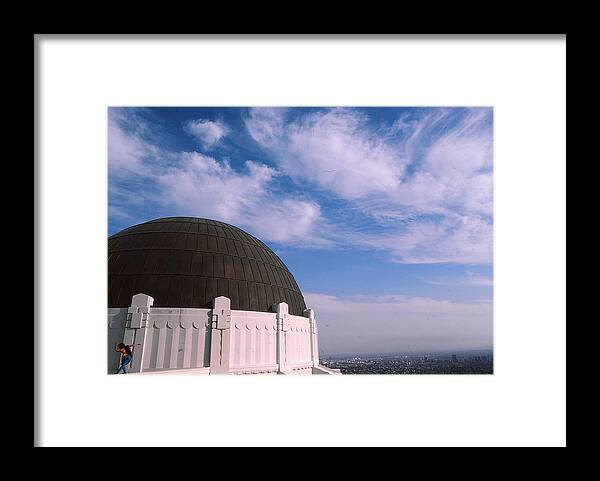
196,184
207,132
126,152
452,160
118,213
430,176
471,279
454,239
457,239
201,185
419,188
397,323
334,150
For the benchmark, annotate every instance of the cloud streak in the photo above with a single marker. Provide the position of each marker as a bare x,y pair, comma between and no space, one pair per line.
397,323
207,132
433,168
418,187
471,279
196,184
334,150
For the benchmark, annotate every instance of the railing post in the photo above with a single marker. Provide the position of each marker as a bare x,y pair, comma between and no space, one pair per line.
221,332
136,327
281,310
314,345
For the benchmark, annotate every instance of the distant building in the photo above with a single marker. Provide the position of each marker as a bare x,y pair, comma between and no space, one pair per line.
205,297
454,358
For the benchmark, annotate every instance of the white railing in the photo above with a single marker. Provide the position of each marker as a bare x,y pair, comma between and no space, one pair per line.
226,341
176,339
254,342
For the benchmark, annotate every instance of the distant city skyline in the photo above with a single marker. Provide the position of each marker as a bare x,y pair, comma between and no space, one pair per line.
451,362
383,215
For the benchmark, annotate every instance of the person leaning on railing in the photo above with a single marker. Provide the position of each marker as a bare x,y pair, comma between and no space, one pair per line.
126,357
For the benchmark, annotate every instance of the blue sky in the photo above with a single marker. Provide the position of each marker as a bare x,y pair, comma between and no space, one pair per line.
383,215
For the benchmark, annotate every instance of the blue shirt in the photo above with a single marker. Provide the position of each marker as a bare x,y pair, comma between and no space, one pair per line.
126,360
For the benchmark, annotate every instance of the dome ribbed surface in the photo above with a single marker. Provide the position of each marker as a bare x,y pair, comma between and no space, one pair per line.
187,262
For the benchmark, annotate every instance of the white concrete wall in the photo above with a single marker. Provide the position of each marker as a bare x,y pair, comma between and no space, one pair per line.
297,343
176,339
170,338
228,341
254,339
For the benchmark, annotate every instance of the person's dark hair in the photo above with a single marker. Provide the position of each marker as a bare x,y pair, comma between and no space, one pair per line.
124,346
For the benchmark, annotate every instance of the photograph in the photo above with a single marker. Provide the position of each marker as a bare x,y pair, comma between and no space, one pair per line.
300,240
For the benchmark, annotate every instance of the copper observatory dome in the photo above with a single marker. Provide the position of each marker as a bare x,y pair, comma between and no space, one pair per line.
188,261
